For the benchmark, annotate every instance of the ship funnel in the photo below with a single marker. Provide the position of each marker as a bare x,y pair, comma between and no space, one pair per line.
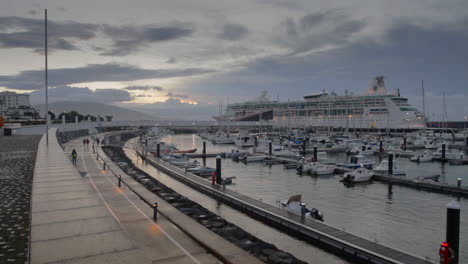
377,86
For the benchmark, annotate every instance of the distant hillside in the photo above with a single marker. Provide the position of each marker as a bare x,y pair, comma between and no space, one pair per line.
119,113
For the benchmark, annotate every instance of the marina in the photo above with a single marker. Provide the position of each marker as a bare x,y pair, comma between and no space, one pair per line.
387,203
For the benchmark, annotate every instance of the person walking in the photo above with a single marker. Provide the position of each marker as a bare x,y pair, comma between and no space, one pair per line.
84,141
87,142
74,156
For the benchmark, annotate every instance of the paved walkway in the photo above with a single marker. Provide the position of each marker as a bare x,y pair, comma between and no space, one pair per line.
17,156
83,217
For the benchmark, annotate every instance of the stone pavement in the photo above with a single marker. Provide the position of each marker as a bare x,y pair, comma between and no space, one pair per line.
84,218
17,157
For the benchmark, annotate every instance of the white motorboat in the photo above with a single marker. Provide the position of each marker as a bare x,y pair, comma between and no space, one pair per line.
359,161
361,150
435,144
383,168
424,157
254,158
295,205
202,171
358,175
324,170
316,168
244,142
448,154
185,164
244,139
400,151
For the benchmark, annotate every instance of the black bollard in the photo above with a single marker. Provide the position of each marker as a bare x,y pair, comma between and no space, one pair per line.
158,151
218,169
443,151
256,140
204,149
270,148
120,181
303,210
363,148
459,182
315,153
104,166
404,143
155,211
453,228
466,141
390,164
381,146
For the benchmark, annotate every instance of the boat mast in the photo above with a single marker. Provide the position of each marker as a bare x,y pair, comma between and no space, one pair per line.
424,99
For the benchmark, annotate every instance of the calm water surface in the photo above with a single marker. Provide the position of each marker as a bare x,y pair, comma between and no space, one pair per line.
403,218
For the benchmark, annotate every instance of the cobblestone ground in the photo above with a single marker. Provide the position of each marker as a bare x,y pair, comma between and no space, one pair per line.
17,158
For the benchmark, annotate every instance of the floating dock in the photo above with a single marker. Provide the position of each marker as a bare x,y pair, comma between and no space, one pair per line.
321,234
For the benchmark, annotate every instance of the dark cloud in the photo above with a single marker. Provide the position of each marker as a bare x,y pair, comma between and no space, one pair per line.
128,40
32,12
110,72
143,88
233,32
21,32
174,95
171,60
314,19
67,93
320,29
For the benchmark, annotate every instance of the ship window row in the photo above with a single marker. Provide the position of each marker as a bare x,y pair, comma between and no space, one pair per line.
407,109
332,112
309,106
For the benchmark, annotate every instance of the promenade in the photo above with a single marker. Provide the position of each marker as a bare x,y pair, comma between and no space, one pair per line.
80,215
17,157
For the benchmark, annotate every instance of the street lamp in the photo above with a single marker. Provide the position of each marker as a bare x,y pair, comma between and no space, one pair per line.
464,124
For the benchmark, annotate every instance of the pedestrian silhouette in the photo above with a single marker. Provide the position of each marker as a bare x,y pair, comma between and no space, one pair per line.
74,155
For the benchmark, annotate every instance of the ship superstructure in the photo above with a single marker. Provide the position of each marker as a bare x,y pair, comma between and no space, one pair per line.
377,109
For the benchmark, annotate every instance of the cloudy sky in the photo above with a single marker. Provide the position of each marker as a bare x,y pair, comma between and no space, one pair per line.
183,57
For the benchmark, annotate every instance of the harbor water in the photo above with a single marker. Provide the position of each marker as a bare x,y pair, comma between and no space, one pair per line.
404,218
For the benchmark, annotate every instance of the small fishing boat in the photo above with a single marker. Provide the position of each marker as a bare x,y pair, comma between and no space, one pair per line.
254,158
424,157
202,171
358,175
184,151
359,161
295,205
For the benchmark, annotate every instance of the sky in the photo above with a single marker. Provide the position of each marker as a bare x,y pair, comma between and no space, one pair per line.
182,58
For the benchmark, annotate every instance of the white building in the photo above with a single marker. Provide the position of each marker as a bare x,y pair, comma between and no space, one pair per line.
12,100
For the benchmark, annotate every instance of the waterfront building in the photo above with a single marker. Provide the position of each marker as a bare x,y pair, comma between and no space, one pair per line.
12,100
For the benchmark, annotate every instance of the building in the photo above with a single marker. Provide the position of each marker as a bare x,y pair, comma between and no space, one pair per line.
9,100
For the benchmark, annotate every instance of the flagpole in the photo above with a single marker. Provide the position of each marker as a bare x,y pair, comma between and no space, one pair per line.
46,83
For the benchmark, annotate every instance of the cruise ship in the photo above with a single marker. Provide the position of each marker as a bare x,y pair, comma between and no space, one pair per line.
377,109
